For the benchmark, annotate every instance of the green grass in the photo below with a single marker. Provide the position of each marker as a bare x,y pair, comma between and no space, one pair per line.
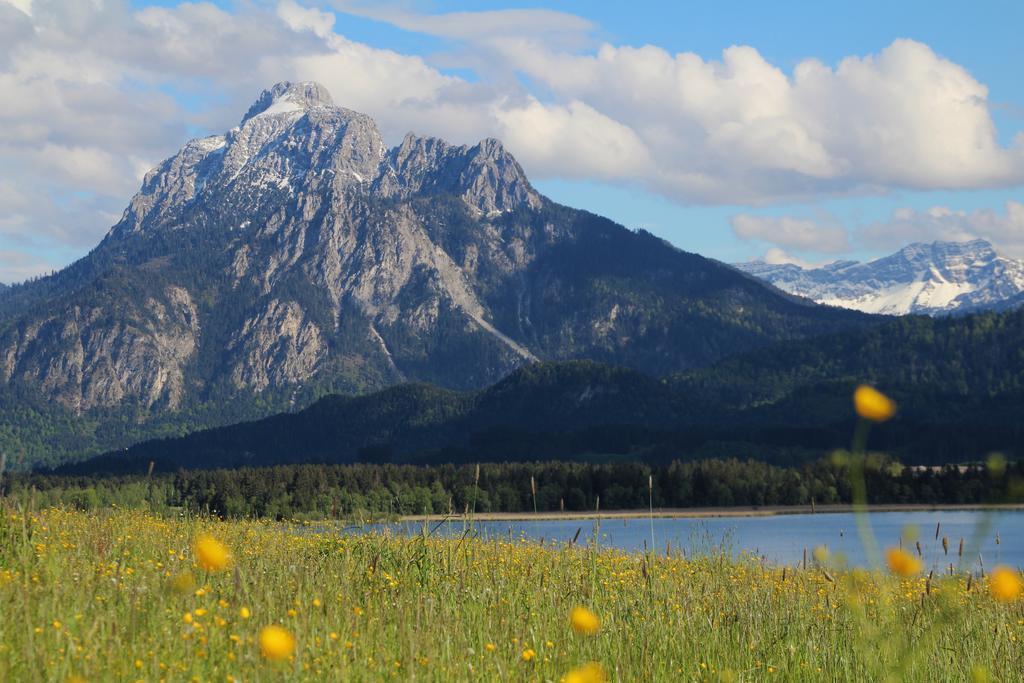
104,595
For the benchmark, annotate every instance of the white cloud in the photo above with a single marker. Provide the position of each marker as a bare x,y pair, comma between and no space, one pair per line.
301,18
574,140
823,234
776,256
740,130
1003,229
561,28
24,6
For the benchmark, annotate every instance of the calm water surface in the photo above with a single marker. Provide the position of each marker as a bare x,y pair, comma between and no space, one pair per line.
781,539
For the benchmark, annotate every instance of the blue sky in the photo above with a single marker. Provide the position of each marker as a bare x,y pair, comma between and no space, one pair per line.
727,152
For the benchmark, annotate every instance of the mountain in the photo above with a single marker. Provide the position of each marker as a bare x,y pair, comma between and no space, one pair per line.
297,254
934,279
959,383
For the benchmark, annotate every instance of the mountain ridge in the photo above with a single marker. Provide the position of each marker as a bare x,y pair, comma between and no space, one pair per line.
934,278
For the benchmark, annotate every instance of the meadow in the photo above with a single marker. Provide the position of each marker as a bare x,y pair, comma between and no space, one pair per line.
126,595
131,595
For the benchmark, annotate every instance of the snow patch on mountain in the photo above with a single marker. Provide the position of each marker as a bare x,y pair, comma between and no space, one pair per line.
934,279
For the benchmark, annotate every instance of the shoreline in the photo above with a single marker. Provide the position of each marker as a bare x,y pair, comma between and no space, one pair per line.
704,513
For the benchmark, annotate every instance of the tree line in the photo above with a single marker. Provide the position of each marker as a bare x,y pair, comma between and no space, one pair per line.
359,490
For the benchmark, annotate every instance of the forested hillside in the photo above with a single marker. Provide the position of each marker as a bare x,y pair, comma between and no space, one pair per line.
959,382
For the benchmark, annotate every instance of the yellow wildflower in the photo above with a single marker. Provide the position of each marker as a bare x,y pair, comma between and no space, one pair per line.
211,554
588,673
1005,584
529,654
276,643
902,563
872,404
584,621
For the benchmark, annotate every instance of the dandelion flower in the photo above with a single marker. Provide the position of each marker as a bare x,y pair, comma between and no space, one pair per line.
588,673
872,404
901,562
1005,584
529,655
244,613
211,554
276,643
584,621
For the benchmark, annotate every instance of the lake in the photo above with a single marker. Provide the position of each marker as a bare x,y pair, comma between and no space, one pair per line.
779,539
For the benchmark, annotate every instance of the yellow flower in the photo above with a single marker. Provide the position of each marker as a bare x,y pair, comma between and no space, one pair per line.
584,621
588,673
490,647
1005,584
872,404
211,554
187,618
529,654
244,613
901,562
276,643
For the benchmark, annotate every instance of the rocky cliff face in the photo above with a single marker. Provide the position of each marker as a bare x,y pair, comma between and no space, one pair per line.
298,249
934,279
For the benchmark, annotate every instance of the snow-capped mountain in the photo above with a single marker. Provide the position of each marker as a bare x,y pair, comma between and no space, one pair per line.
934,279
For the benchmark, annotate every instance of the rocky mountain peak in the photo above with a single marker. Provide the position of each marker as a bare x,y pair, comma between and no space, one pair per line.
486,175
287,96
295,142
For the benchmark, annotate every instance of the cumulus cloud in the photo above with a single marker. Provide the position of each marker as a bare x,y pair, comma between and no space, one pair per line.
574,140
96,93
823,234
740,130
777,256
1004,229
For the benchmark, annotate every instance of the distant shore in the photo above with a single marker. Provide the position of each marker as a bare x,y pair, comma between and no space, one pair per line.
683,513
